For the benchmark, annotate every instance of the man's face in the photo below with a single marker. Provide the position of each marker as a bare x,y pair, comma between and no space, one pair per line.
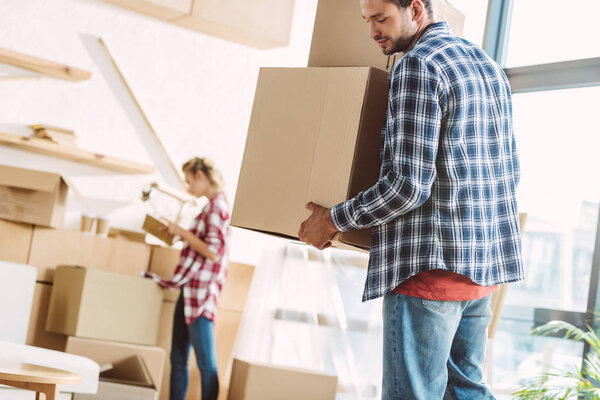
391,27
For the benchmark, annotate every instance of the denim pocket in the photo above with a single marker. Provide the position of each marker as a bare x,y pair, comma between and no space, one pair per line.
438,305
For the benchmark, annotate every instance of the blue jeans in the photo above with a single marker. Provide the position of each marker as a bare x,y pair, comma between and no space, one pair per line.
199,334
434,350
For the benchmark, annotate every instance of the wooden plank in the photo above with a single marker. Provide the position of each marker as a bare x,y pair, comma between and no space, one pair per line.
72,153
46,67
162,9
263,24
159,142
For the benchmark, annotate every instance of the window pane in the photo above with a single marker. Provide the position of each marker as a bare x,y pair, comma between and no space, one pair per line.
545,31
558,140
475,14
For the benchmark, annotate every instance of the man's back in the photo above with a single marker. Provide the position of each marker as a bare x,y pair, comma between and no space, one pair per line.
446,195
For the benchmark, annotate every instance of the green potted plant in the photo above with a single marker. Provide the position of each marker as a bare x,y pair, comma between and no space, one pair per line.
561,384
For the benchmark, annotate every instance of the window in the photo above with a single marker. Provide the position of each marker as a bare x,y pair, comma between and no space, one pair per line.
555,108
546,31
558,140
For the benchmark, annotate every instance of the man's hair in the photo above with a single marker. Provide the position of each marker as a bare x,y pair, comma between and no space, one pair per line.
406,3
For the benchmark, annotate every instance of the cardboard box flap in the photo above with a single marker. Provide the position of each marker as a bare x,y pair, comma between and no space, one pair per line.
129,371
29,179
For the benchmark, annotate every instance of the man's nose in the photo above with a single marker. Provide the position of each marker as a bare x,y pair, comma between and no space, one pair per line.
374,31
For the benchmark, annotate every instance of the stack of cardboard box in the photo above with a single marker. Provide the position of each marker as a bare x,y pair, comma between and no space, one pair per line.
89,297
314,133
105,313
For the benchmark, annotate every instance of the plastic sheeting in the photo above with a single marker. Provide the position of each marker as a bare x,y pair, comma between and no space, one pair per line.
304,310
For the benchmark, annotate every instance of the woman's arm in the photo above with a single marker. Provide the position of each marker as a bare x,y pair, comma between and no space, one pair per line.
198,244
195,242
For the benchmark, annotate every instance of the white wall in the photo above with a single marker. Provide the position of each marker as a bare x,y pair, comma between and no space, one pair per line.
197,91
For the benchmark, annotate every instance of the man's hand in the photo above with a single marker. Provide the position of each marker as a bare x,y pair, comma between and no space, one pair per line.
318,229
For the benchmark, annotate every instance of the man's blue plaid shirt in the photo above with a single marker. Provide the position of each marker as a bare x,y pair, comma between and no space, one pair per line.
445,198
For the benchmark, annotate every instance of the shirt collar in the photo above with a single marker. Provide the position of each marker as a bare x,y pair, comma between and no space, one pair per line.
435,29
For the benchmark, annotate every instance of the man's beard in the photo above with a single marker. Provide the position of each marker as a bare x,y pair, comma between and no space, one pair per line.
400,45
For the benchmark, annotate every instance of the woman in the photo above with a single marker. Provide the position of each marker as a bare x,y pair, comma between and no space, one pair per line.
200,274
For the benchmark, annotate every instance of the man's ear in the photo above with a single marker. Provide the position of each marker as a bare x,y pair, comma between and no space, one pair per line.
417,9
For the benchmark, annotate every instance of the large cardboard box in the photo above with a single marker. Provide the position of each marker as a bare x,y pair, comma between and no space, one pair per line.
341,35
104,352
258,381
320,144
37,335
31,196
127,379
98,304
163,262
165,335
15,241
260,23
235,291
50,247
163,9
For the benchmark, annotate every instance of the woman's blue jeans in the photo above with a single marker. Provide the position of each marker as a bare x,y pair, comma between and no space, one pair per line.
434,350
199,334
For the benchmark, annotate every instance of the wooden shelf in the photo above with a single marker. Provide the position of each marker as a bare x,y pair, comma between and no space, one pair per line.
46,67
46,147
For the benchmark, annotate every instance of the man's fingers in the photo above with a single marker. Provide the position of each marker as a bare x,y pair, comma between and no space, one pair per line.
311,206
301,231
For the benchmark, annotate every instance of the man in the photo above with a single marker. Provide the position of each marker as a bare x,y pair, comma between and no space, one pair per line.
444,214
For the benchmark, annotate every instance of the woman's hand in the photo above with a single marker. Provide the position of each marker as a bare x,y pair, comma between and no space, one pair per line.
173,229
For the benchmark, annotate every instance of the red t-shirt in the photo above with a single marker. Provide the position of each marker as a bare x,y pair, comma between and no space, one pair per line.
439,284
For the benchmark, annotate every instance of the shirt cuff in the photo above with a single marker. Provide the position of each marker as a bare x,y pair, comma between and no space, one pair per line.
341,217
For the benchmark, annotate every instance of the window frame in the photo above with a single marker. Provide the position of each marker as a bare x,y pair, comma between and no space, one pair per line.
532,78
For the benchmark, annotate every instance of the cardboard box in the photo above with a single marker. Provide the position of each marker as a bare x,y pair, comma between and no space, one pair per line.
118,391
163,262
128,379
50,248
37,335
104,352
31,196
158,229
235,291
343,19
162,9
126,234
321,145
98,304
261,23
226,328
165,335
19,237
258,381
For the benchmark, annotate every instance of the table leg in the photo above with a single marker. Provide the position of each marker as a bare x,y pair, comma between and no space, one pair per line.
51,392
37,396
